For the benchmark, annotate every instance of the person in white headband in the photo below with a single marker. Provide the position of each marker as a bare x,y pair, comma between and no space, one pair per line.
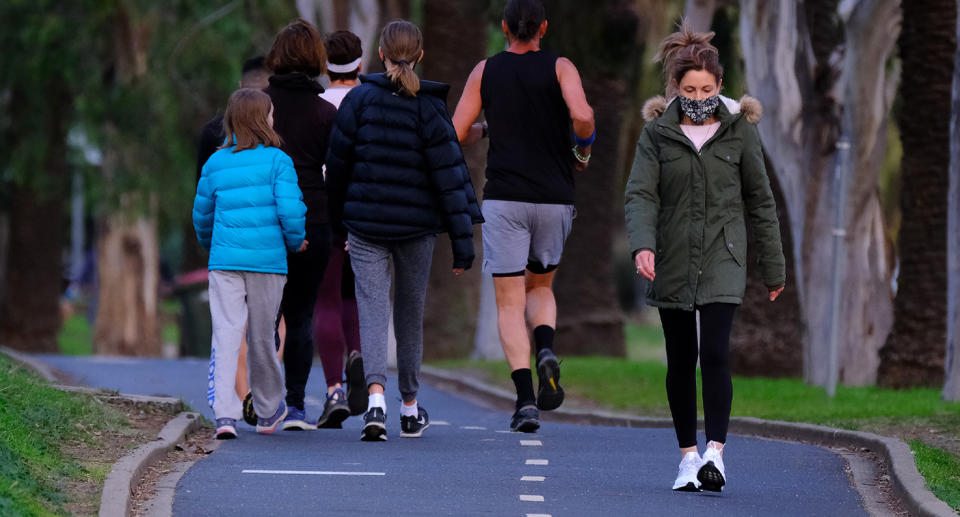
344,62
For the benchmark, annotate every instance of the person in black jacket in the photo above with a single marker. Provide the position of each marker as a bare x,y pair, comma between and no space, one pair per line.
397,178
303,120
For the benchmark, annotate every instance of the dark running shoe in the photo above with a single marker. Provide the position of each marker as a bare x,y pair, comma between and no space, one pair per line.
413,426
356,384
374,426
249,414
549,393
335,411
525,420
296,420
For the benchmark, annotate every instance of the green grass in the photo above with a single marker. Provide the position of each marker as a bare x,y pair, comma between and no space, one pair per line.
76,336
941,470
35,421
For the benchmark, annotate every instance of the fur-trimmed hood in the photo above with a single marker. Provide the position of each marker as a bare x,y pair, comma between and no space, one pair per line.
751,108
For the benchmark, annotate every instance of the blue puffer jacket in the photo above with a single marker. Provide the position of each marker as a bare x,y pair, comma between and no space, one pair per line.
249,210
395,169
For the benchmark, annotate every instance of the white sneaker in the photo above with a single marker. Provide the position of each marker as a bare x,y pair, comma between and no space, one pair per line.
712,476
687,477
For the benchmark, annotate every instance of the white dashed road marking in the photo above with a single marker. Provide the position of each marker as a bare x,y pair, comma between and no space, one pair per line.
532,478
531,443
439,422
538,462
314,473
473,428
531,498
539,515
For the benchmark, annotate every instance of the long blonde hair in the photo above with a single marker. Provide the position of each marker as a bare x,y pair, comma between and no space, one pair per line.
402,43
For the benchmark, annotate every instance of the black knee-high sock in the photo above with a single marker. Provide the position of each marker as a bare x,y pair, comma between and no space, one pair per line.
543,337
523,380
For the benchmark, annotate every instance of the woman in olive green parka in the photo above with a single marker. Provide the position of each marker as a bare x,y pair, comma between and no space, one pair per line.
698,174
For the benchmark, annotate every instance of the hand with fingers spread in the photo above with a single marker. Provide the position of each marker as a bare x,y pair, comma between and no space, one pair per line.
303,246
645,264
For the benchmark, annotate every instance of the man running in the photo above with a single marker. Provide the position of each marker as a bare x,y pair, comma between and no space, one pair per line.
530,97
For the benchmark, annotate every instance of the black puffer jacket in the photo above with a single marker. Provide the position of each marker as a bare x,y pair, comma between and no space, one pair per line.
395,169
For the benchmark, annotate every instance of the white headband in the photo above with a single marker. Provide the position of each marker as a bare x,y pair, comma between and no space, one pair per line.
343,69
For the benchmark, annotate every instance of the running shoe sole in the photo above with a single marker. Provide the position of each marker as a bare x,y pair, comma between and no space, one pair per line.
710,478
226,433
374,432
527,425
550,393
416,434
297,425
689,487
334,420
356,387
249,414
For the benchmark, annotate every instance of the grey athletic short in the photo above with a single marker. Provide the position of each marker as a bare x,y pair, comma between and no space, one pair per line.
520,236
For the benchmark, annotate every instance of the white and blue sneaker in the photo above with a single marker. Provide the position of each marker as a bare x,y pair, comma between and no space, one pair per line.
226,429
712,475
687,477
413,426
270,425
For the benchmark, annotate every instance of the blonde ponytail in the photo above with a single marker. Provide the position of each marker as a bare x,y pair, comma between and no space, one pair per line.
402,43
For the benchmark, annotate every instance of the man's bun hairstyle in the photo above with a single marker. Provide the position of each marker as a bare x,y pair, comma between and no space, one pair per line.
687,50
524,17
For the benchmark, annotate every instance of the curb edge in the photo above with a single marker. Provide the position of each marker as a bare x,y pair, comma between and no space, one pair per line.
115,499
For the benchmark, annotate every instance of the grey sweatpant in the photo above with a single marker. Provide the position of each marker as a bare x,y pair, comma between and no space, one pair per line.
371,268
236,298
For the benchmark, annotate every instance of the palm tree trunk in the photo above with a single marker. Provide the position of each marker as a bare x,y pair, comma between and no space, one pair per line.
914,352
30,308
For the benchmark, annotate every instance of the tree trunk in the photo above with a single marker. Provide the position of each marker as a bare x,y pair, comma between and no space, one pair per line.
766,339
30,308
699,14
951,388
811,98
455,35
589,318
128,268
914,352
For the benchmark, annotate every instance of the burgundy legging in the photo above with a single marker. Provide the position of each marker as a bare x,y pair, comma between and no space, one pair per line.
335,325
680,333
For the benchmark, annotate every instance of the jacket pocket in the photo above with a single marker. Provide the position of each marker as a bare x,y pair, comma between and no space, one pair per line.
728,154
736,245
669,154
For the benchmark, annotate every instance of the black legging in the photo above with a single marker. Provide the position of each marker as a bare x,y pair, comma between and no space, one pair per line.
680,333
304,274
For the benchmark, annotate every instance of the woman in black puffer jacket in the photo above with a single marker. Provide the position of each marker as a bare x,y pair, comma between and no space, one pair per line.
396,177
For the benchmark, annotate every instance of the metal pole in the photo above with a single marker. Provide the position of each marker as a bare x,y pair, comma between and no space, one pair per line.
839,256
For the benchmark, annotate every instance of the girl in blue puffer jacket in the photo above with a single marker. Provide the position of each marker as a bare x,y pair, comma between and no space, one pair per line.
248,212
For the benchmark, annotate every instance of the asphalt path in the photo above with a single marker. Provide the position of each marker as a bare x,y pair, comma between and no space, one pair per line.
467,463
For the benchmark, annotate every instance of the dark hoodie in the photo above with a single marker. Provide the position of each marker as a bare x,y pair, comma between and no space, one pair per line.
303,120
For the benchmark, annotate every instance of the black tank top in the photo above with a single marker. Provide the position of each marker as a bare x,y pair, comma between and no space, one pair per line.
530,131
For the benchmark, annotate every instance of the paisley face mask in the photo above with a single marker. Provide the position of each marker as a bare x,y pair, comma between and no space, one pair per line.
699,110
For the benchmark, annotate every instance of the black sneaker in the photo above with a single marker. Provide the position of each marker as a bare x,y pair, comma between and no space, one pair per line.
549,393
374,426
525,420
413,426
356,384
335,411
249,414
